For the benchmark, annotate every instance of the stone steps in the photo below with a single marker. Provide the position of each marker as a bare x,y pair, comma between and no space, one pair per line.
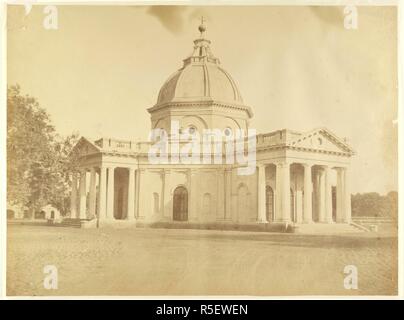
76,223
325,228
313,228
373,220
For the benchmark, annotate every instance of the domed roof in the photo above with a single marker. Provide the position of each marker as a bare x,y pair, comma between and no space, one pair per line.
200,78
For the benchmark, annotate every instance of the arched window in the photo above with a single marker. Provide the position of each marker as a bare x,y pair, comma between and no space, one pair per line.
228,132
206,204
191,129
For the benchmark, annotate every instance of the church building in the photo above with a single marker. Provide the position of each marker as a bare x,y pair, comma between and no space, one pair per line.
299,178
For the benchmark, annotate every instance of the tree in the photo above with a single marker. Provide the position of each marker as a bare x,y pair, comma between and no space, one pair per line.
373,204
38,159
65,162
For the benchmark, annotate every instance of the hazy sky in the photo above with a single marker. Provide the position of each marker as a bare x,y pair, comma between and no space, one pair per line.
297,67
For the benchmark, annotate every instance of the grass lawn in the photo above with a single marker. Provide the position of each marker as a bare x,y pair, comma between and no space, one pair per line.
196,262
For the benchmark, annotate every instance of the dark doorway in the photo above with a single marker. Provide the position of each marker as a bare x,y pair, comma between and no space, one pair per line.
10,214
334,203
269,197
40,215
180,204
292,206
119,211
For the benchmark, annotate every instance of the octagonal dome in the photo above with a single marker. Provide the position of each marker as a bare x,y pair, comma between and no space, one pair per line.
200,78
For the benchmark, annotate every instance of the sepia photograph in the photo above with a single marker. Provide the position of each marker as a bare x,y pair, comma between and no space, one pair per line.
201,150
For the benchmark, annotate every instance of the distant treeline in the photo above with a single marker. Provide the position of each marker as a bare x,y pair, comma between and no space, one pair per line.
373,204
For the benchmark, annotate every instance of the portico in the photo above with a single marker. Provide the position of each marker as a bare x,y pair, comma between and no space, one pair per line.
104,192
305,193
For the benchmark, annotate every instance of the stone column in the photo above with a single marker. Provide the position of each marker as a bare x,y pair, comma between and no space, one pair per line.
308,195
73,197
285,192
102,198
137,196
131,194
193,210
83,195
321,195
110,193
261,194
278,193
328,195
314,204
340,217
299,206
347,189
93,197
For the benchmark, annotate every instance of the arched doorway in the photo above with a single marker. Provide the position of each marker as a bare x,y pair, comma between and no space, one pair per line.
269,199
180,204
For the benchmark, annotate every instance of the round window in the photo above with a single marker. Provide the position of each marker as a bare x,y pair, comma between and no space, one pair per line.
228,132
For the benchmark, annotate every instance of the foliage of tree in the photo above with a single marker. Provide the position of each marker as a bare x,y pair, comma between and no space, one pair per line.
38,162
373,204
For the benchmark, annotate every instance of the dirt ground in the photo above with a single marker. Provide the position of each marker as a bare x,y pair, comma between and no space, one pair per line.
196,262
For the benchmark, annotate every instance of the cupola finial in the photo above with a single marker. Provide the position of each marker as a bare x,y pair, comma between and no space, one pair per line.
202,27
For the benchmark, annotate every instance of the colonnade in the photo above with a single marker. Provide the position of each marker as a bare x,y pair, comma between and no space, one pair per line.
317,194
99,201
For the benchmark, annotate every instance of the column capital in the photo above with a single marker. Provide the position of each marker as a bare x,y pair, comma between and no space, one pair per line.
340,169
283,164
307,164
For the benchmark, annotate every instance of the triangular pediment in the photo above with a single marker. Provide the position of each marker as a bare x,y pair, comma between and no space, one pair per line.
322,140
84,147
